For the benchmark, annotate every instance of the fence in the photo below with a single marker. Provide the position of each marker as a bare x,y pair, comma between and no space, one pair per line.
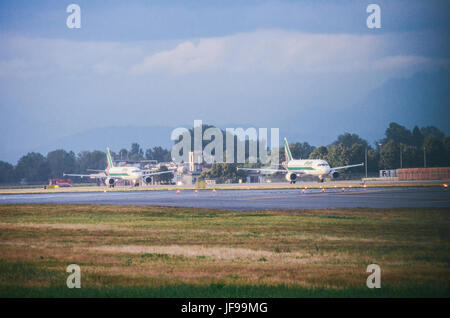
424,174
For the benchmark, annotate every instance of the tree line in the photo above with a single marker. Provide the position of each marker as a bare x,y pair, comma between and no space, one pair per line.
400,147
37,167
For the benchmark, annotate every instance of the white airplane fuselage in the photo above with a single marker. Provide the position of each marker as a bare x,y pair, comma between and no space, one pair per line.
315,167
128,173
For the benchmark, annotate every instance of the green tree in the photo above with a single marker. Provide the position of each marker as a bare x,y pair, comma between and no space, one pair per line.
389,156
60,161
223,172
446,145
357,154
136,153
123,154
348,140
159,154
373,158
431,131
319,153
338,155
298,150
399,134
7,173
435,151
412,157
417,137
33,167
91,160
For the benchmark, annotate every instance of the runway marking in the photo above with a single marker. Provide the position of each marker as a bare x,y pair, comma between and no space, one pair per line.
296,195
273,197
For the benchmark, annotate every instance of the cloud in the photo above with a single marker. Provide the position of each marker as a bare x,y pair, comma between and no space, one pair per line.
27,57
273,51
281,51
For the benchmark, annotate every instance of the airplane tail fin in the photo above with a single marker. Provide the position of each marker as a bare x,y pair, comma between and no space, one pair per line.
287,151
109,159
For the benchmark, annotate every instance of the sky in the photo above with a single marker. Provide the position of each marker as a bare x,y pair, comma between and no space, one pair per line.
285,64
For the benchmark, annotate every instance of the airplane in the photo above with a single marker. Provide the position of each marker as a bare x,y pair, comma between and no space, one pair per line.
111,174
294,168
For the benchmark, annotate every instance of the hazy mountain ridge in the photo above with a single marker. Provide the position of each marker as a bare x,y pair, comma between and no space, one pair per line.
422,100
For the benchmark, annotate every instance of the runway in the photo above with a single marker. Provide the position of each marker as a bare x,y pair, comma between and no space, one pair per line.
252,199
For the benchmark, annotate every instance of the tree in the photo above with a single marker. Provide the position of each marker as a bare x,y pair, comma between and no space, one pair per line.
398,134
223,172
431,131
136,153
389,155
91,160
123,154
435,151
33,167
417,137
357,154
61,161
446,145
412,157
7,173
298,150
319,153
159,154
348,140
373,159
338,155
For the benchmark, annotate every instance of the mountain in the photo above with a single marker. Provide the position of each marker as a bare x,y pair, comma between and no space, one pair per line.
421,100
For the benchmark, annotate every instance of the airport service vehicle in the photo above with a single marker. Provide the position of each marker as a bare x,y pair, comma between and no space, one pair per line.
112,173
60,182
297,168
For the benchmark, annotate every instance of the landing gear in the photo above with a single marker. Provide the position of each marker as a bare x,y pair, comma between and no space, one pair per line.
321,180
292,182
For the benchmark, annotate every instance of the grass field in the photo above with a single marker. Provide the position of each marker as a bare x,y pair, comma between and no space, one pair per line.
129,251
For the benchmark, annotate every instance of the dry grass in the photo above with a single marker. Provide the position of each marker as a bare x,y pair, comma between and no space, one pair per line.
160,246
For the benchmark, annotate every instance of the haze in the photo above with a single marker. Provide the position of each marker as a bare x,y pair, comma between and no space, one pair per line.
311,68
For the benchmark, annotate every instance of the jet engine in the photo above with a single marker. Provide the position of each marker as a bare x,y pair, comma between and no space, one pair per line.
334,174
110,182
148,180
291,177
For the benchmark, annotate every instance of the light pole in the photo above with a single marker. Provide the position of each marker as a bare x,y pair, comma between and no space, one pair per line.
424,158
401,159
366,161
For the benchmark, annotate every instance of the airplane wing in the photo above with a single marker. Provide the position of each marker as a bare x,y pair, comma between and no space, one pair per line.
156,173
263,170
345,167
92,176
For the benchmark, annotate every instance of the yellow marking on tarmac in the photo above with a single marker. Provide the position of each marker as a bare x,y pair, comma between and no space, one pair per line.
433,201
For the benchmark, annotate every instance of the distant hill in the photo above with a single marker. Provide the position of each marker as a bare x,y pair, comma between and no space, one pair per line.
422,100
